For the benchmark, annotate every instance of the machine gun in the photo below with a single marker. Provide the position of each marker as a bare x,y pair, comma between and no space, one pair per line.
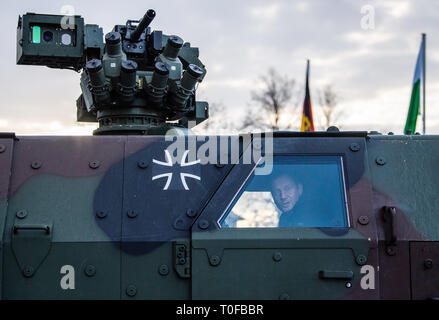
136,82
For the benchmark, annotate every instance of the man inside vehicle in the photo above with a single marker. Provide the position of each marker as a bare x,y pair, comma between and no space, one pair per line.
287,194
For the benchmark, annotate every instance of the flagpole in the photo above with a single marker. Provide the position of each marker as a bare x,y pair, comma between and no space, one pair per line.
424,36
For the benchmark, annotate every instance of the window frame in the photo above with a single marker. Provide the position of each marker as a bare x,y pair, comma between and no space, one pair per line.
356,173
339,162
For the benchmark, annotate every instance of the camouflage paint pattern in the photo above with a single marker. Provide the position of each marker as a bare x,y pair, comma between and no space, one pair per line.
91,203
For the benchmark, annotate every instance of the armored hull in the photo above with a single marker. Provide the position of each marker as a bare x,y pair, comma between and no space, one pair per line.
112,217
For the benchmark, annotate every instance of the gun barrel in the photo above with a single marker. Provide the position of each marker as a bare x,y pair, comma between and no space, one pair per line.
143,24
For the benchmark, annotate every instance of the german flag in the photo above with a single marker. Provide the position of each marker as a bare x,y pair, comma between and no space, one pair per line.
307,122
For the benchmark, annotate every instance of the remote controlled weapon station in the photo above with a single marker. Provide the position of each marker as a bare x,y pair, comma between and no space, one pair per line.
136,82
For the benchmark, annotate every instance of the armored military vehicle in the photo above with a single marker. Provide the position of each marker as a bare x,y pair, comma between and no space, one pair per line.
144,209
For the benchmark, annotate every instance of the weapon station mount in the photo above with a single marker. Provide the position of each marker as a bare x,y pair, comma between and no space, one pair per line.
136,82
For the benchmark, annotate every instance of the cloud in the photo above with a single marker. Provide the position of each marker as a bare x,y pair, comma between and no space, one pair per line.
397,8
239,40
267,12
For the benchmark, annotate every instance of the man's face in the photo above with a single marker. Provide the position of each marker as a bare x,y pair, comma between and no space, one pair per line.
285,193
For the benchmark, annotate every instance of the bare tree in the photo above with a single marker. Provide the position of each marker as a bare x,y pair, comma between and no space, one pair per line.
328,102
272,99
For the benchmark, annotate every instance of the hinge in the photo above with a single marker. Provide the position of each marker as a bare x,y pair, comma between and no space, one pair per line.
181,258
389,222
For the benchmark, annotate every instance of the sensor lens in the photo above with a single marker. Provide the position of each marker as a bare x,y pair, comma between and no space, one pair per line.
66,39
48,36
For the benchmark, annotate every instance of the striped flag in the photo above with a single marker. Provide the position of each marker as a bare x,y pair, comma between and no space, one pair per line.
307,122
415,100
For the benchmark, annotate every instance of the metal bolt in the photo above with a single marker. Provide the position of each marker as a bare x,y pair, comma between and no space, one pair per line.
28,271
131,290
131,214
180,254
428,264
2,148
363,220
191,213
214,260
90,270
381,161
142,164
348,285
94,164
164,270
277,256
203,224
355,147
36,164
21,214
181,261
101,214
361,259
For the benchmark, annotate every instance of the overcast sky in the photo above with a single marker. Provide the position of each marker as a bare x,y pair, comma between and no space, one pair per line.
371,70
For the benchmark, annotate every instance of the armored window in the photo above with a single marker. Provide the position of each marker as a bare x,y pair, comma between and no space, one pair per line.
300,192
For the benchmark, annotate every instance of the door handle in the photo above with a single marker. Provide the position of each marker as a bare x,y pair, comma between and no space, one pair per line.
45,228
389,223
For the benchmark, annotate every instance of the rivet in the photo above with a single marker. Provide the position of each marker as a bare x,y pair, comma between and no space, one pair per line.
348,285
36,164
191,213
181,261
90,270
355,147
381,161
2,148
203,224
131,214
21,214
142,164
361,259
94,164
363,220
131,290
164,270
101,214
277,256
214,260
428,264
28,271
